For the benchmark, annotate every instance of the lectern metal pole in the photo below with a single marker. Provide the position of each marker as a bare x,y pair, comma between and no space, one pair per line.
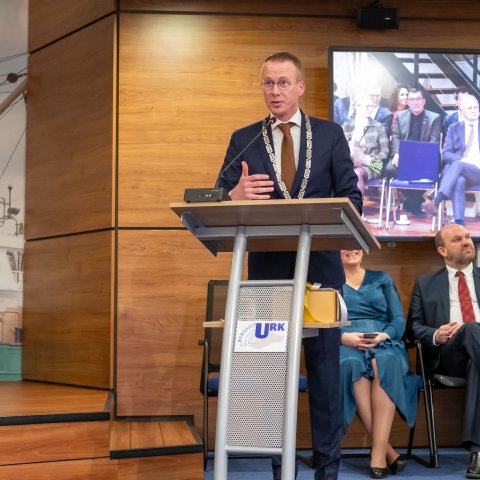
221,457
294,348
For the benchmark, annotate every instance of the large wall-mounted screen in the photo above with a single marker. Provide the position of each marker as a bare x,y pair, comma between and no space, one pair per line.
390,102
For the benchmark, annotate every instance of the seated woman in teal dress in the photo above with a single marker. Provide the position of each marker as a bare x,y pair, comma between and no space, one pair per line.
375,375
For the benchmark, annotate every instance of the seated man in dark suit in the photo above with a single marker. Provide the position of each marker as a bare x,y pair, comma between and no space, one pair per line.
461,156
444,316
417,124
455,116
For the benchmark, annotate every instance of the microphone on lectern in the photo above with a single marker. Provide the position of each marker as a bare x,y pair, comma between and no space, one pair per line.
218,194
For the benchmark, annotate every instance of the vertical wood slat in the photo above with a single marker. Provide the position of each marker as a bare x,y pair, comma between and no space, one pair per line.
70,144
68,310
49,20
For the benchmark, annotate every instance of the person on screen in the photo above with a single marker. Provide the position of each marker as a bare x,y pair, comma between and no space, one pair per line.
444,315
455,116
398,101
321,168
368,142
343,107
375,374
461,158
379,113
417,124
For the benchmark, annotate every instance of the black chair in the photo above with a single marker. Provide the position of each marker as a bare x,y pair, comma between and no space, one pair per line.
429,382
212,350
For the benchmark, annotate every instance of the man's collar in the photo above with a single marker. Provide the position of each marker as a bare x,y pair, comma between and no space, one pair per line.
296,118
468,270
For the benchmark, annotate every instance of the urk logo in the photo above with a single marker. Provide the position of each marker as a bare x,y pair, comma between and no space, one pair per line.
262,335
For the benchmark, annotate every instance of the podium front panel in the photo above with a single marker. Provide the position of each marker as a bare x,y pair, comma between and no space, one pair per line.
259,367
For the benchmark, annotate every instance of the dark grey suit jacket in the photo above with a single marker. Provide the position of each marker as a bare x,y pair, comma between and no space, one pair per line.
429,309
431,128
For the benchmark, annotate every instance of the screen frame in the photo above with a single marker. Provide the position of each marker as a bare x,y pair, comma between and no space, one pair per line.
332,50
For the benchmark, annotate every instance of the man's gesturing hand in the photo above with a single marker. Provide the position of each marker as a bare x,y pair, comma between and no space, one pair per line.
252,187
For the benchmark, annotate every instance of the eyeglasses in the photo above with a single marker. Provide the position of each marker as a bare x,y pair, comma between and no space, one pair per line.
282,84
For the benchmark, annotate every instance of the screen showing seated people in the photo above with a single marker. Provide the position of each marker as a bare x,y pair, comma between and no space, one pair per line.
411,122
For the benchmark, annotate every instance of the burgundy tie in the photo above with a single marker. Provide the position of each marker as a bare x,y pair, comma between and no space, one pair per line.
464,298
288,157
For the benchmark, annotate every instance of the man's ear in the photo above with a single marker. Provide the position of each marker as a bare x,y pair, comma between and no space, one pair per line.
442,251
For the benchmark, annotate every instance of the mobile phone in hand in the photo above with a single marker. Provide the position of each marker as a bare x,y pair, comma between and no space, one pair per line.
370,335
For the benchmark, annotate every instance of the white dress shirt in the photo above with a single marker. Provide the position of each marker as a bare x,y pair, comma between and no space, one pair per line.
277,136
473,156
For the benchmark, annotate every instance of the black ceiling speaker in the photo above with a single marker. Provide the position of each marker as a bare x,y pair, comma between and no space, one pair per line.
376,16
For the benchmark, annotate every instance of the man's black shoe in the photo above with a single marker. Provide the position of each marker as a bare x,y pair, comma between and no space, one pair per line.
473,470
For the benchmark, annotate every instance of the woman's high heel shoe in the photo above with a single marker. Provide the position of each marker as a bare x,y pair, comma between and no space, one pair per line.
378,472
398,465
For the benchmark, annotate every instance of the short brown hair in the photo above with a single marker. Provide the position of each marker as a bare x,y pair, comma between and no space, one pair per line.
439,240
287,57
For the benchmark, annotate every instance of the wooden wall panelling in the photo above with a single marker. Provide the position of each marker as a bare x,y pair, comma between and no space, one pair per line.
49,20
465,9
187,81
53,442
68,310
70,142
172,467
162,291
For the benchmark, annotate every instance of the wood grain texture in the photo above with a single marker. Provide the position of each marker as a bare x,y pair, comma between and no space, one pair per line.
177,433
53,442
188,81
68,311
120,435
34,398
70,142
146,434
466,9
162,291
174,467
49,20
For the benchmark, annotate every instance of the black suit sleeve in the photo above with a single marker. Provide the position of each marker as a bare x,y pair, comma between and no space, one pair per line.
417,327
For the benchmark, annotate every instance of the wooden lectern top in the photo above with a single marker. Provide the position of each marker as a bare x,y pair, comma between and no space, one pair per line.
274,225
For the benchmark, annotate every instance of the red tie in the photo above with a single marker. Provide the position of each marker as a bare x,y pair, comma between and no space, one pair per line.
464,298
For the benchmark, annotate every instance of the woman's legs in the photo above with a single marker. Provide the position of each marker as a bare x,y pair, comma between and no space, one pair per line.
383,412
376,411
362,175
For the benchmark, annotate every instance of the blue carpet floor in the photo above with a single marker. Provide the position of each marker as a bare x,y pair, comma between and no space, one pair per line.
453,464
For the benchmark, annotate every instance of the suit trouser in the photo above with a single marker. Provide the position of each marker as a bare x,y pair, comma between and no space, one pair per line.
322,360
460,357
456,178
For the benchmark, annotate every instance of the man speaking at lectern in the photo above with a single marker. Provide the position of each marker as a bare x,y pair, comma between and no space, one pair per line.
297,156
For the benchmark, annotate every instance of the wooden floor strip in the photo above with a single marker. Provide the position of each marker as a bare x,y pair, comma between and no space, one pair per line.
153,436
177,433
120,435
146,435
36,398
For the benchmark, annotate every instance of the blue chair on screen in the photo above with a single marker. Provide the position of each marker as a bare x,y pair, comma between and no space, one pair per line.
212,349
418,169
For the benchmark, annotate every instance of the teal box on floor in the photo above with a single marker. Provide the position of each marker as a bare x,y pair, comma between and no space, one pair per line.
10,362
